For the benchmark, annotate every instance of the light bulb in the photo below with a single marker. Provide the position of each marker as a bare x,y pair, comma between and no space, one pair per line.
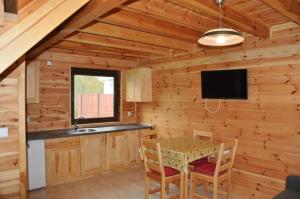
221,39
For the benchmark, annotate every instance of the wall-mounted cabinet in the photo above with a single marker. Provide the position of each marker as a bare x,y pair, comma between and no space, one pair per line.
32,84
139,85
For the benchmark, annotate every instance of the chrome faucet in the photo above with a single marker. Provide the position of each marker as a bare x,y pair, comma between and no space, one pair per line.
76,126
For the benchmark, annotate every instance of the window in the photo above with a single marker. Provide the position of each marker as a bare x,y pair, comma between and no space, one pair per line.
95,95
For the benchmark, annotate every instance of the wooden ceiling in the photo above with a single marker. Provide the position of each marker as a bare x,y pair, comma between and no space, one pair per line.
146,29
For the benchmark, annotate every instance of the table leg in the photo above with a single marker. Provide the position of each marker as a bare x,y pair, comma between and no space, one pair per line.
183,185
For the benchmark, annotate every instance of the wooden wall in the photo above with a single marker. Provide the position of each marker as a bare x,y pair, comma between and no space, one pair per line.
267,124
53,111
13,148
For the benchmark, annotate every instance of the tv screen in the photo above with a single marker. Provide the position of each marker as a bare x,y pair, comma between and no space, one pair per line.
224,84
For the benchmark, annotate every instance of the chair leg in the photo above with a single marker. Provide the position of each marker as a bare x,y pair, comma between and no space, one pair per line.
147,187
229,188
206,187
168,188
192,186
163,190
215,190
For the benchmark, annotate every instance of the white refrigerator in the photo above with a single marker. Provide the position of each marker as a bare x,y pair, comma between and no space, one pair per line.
36,164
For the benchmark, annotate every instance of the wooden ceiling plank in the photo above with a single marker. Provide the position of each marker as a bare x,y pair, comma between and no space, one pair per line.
151,25
92,54
173,14
231,16
117,43
90,12
288,8
118,32
100,49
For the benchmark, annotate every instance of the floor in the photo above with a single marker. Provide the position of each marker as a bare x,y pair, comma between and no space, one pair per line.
124,184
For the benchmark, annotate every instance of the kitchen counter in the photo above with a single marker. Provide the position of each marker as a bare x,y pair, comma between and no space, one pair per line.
60,133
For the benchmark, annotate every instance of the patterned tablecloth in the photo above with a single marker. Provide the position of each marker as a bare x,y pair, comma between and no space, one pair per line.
178,152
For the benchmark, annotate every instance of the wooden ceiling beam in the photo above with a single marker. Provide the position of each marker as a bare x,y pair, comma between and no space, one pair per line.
90,12
151,25
288,8
171,13
230,17
118,43
127,34
91,54
100,49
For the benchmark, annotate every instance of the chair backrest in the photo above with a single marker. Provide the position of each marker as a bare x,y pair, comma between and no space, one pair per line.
226,157
198,133
152,157
148,135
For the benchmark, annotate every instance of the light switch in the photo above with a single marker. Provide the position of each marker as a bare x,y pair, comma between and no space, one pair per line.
3,132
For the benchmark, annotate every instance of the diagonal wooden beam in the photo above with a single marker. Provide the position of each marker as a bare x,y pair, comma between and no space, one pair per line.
90,12
15,42
231,16
287,8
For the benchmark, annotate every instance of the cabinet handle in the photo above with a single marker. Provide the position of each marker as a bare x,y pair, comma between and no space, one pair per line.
114,143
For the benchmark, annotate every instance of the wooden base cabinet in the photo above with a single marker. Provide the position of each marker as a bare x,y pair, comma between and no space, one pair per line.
92,154
73,158
117,154
62,160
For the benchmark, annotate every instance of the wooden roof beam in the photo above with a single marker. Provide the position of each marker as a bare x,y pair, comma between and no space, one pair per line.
287,8
152,25
90,12
171,13
15,42
231,16
100,49
118,32
117,43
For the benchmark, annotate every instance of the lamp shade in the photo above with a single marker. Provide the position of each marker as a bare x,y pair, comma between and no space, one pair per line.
221,37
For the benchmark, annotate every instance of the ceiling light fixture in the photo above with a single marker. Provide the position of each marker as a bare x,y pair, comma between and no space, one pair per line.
221,36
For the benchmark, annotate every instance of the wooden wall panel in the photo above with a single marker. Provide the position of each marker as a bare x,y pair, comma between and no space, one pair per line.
53,110
267,124
12,149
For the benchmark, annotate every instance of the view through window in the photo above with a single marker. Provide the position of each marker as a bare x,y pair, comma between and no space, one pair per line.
95,95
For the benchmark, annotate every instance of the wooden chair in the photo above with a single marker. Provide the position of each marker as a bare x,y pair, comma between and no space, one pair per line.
201,134
154,170
215,173
148,135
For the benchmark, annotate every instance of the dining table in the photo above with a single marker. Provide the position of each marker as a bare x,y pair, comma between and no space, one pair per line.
178,152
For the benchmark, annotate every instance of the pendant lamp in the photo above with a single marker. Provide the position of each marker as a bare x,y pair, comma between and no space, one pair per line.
221,36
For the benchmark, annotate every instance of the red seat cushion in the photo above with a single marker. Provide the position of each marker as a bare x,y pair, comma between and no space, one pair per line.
205,168
168,172
199,162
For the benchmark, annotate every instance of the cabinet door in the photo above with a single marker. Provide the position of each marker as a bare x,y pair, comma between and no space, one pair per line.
117,153
32,84
62,160
139,85
92,154
62,164
134,147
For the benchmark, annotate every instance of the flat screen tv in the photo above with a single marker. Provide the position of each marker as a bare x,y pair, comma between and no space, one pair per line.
224,84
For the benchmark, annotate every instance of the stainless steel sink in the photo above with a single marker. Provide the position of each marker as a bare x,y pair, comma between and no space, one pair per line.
82,130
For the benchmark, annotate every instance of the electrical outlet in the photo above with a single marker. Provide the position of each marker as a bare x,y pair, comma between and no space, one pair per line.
129,113
3,132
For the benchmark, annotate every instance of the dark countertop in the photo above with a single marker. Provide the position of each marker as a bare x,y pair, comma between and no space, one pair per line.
60,133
